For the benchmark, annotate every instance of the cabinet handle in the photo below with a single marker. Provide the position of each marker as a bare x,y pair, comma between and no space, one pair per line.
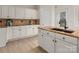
41,35
47,33
19,29
63,38
55,41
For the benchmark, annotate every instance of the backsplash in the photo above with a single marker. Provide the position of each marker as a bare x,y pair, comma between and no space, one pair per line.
18,22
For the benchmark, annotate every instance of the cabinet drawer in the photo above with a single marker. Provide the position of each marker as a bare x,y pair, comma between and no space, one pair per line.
71,40
48,33
59,36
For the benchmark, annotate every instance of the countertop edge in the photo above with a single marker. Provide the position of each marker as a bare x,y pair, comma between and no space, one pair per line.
47,29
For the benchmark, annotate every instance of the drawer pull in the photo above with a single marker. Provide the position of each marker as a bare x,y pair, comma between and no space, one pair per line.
47,33
55,41
41,35
63,38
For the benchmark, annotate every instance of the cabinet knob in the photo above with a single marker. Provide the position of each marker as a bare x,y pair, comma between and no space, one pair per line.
41,35
47,33
19,29
63,38
55,41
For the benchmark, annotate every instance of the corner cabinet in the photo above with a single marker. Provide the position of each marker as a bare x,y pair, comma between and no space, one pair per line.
58,43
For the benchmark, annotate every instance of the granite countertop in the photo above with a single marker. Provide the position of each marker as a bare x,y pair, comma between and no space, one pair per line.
74,34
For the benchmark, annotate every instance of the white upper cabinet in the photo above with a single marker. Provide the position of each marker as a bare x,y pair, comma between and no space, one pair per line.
31,14
69,12
47,15
11,12
4,12
28,13
34,14
35,29
0,11
19,13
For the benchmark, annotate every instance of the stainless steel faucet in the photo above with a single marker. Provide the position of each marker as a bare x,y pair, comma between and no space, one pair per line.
63,23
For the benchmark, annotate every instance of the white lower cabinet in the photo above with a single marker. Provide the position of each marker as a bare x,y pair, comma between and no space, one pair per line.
58,43
64,47
32,30
46,40
50,42
3,36
16,32
21,32
24,31
9,33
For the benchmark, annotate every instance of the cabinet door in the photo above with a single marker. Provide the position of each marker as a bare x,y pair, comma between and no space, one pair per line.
20,13
42,39
33,30
11,12
30,30
46,41
50,41
63,47
4,12
28,13
16,32
0,11
23,31
3,36
34,14
9,33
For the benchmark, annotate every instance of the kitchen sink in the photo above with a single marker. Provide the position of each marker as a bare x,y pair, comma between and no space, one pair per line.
62,30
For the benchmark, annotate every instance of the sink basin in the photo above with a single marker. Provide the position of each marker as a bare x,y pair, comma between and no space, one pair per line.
62,30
